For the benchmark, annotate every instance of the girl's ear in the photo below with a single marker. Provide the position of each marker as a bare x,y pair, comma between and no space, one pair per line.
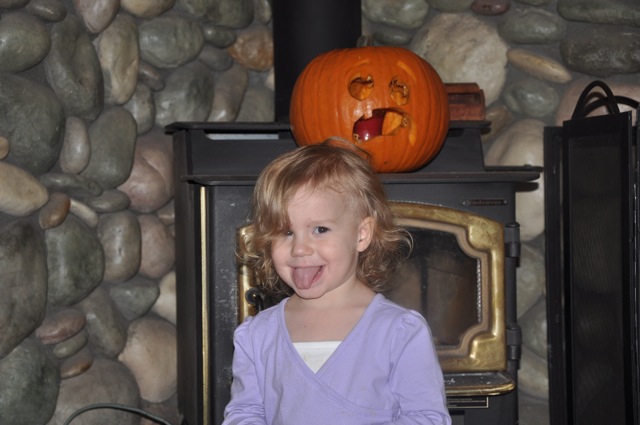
365,233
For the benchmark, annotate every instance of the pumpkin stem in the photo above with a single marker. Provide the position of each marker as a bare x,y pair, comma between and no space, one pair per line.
365,41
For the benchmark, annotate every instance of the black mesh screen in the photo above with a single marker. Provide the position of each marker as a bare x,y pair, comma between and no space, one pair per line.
593,223
590,172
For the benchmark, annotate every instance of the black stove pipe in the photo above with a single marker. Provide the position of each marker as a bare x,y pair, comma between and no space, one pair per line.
303,29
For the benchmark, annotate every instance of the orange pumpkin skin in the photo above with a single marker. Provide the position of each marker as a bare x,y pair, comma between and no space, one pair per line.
338,90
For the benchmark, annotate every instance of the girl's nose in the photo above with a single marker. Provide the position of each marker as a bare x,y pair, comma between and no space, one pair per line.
300,247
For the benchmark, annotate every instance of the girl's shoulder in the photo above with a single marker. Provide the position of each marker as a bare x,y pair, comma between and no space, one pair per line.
263,321
395,314
383,304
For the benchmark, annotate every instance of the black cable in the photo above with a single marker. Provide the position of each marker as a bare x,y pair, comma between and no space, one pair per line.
116,407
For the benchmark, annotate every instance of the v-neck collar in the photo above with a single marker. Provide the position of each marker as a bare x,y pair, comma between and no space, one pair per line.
336,354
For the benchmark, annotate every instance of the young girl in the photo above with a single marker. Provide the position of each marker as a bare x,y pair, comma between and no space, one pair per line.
336,351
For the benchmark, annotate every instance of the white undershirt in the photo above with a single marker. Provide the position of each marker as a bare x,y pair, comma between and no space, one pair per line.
315,354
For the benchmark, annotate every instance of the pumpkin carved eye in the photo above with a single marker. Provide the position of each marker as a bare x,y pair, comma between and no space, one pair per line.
399,92
360,88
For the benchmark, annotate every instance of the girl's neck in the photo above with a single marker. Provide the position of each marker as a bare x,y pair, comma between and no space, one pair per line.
326,319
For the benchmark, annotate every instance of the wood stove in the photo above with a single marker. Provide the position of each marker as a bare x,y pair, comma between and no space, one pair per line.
461,275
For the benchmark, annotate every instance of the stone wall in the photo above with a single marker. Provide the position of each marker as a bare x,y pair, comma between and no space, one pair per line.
87,307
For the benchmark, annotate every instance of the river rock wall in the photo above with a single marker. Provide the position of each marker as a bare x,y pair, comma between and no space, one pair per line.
87,305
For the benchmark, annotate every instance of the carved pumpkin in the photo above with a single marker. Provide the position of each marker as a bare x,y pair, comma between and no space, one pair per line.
387,100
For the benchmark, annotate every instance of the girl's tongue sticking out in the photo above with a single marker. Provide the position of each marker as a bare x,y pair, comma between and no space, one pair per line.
304,277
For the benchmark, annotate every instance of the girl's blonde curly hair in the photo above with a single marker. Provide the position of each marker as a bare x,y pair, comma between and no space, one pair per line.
332,165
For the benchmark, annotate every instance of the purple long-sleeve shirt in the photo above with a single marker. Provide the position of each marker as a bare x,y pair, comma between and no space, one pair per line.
385,372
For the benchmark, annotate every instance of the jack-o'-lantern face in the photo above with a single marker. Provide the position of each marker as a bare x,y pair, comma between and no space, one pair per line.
387,100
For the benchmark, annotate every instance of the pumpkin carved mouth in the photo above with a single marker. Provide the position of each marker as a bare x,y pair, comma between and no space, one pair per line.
383,122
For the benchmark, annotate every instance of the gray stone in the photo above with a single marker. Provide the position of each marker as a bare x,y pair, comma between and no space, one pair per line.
60,326
533,376
150,183
215,58
12,4
146,9
536,2
217,36
75,260
20,192
231,13
23,283
48,10
71,184
76,364
531,97
169,41
403,14
229,89
76,149
387,35
107,381
150,76
113,139
73,69
197,8
262,12
117,48
84,213
534,328
165,305
622,12
158,247
15,54
110,201
150,354
602,51
491,7
54,211
119,234
530,284
106,326
32,119
451,6
134,297
532,26
533,411
187,95
29,389
519,144
257,105
463,48
500,117
167,214
539,66
96,15
71,345
168,410
4,147
142,108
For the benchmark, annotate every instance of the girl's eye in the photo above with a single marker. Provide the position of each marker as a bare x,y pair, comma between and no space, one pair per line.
321,229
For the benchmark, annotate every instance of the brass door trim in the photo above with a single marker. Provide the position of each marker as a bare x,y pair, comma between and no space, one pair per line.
204,304
483,347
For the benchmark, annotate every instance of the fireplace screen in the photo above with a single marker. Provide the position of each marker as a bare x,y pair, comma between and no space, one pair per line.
453,277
